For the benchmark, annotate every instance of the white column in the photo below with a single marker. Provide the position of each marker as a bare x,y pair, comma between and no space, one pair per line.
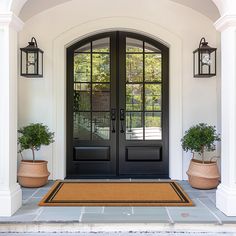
10,191
226,191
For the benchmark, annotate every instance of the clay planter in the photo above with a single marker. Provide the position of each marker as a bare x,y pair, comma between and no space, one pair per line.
203,176
33,174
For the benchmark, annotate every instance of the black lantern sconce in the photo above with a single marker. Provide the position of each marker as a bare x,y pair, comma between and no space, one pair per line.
31,60
204,60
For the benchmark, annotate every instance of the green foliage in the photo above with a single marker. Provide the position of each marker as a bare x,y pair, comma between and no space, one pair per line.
200,138
33,136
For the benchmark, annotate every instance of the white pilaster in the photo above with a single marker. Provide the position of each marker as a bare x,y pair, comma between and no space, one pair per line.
10,191
226,192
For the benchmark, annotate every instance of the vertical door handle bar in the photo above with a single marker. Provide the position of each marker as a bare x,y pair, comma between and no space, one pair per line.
113,119
122,118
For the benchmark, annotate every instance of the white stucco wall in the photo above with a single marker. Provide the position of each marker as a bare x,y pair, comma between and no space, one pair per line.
181,28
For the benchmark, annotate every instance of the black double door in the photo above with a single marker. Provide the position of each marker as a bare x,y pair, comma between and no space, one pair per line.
117,107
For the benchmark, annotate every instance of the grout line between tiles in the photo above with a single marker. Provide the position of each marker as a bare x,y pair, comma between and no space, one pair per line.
81,214
36,191
170,218
211,200
132,210
38,214
219,220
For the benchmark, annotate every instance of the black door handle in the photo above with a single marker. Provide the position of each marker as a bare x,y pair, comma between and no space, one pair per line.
113,118
122,118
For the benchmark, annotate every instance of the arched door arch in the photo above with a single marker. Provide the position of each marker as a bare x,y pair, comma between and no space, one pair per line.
117,107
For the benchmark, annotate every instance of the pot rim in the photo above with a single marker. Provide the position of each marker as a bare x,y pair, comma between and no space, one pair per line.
206,163
36,162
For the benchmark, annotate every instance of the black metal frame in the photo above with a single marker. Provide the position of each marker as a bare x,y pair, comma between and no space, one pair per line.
32,47
203,47
118,73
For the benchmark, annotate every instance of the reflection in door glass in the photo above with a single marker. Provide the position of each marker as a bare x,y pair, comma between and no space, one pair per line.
134,128
101,97
101,67
153,126
134,45
82,67
82,128
150,48
153,67
152,97
134,67
84,48
101,45
101,125
134,97
82,97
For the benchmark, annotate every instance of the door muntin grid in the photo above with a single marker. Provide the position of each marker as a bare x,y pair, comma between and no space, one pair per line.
143,86
92,84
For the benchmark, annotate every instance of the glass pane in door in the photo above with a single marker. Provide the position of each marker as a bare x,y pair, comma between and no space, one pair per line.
91,103
134,126
153,126
101,125
143,91
134,97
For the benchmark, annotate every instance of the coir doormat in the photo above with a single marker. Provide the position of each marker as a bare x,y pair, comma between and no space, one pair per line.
72,193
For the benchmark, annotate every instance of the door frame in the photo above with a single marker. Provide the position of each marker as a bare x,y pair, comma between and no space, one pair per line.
80,31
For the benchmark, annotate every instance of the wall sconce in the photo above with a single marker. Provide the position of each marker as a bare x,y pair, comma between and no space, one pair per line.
31,64
204,60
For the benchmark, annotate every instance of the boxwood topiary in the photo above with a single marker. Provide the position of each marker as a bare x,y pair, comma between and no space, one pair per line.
33,136
200,138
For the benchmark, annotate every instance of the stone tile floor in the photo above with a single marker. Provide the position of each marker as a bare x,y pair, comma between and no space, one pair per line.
204,212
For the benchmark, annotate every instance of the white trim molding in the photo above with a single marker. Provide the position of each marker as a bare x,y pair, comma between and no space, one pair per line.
11,20
225,21
10,191
226,200
86,29
226,192
10,200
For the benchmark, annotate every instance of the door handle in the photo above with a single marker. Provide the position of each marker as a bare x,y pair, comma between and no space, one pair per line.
113,119
122,118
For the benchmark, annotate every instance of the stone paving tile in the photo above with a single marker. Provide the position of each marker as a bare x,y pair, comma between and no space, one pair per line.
212,197
93,209
156,212
18,218
149,210
197,214
40,193
225,219
26,194
30,207
59,214
195,194
118,210
27,212
123,218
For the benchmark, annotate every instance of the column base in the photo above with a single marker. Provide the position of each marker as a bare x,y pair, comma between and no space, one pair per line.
226,200
10,200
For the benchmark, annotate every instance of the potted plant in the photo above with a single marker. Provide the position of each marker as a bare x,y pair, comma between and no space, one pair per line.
33,173
202,174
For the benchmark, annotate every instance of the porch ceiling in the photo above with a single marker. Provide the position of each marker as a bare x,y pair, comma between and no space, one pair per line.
33,7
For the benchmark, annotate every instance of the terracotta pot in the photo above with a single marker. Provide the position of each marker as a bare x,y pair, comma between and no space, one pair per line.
33,174
203,176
